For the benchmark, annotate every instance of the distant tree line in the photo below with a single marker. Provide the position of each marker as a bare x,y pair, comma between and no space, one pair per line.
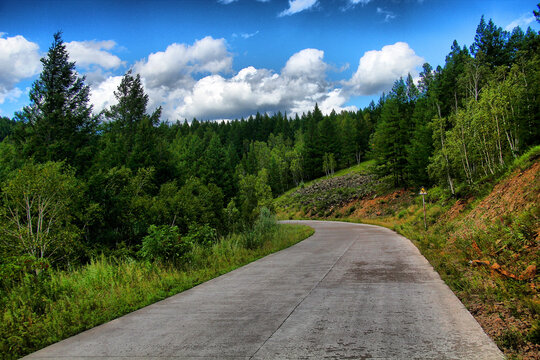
74,184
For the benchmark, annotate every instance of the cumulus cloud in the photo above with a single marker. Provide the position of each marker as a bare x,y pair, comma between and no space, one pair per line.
102,94
523,22
196,81
89,53
174,66
335,100
378,69
296,6
296,89
307,63
19,59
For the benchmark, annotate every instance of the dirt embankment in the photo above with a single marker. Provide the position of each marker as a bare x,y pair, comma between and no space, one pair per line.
518,193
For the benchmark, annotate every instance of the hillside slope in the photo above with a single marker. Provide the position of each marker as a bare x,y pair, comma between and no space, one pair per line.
486,247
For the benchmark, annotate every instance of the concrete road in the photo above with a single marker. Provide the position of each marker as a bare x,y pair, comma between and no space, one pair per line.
349,292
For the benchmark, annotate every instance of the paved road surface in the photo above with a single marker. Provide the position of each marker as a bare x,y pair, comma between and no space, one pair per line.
349,292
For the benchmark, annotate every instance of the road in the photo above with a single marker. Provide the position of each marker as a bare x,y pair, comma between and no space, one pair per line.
350,291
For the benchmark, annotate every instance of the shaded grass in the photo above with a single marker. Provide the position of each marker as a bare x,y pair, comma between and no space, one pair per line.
46,308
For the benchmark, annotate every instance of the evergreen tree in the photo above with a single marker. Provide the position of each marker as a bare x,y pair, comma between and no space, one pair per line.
131,136
6,127
392,135
490,43
58,122
313,156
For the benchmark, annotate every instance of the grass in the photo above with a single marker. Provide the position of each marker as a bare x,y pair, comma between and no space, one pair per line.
361,169
321,195
52,305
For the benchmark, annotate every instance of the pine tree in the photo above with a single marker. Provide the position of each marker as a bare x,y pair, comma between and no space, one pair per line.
490,44
392,135
131,136
58,122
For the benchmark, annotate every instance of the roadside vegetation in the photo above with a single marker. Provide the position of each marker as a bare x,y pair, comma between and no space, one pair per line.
485,245
41,305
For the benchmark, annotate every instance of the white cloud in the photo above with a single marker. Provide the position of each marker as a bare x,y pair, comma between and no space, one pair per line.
307,63
19,59
335,100
102,95
174,66
356,2
88,53
388,15
172,79
246,35
296,90
296,6
378,69
523,22
10,95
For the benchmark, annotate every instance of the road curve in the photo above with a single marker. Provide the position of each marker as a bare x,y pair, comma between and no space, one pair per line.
350,291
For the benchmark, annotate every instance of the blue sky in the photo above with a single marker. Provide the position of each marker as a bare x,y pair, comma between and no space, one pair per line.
225,59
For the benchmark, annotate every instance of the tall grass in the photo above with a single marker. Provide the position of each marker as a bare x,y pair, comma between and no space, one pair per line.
52,305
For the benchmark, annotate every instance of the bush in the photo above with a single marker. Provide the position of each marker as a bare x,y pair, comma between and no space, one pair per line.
163,243
203,235
14,269
263,228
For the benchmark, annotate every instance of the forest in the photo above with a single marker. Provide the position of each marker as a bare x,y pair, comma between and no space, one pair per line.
125,187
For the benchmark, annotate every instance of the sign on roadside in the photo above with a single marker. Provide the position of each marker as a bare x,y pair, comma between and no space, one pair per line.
423,192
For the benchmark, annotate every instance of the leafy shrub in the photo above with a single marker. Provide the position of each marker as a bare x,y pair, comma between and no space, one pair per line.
203,235
263,228
402,213
14,269
163,243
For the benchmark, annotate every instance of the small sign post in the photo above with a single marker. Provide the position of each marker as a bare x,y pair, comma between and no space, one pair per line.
423,192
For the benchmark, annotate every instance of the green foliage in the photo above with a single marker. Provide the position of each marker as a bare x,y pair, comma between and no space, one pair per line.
14,269
163,243
6,127
58,122
47,307
254,194
201,234
38,211
130,136
263,229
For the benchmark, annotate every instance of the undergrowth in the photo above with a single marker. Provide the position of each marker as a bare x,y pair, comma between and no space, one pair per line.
43,306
